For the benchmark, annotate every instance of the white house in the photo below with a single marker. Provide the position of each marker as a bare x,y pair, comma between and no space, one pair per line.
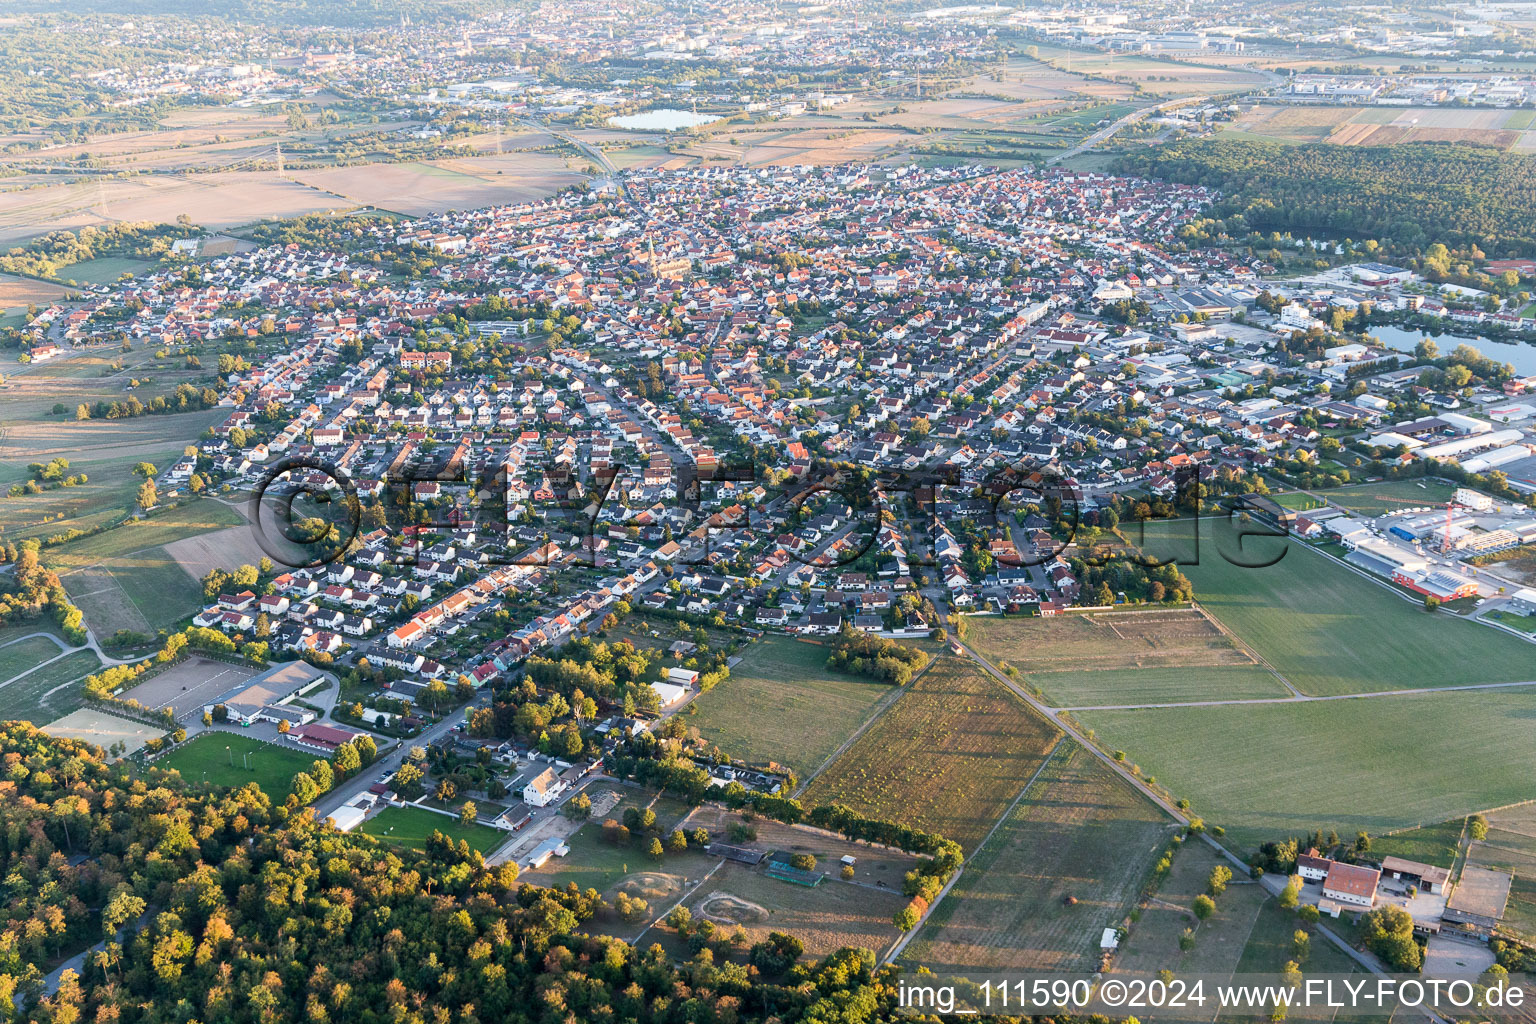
544,790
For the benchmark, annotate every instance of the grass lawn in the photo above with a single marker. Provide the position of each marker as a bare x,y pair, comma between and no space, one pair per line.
1379,764
947,757
1432,844
412,826
1327,629
1153,942
1524,623
1271,943
205,757
26,654
33,697
1080,831
782,704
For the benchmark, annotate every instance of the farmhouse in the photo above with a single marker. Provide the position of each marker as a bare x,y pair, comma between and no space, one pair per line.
1477,904
264,697
1351,884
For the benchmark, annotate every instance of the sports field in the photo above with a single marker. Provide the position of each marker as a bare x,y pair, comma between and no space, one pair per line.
1136,656
782,704
189,685
1330,631
412,826
1267,771
1390,496
98,727
1080,832
220,758
947,757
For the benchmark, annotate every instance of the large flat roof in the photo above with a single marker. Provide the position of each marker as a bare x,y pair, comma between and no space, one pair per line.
275,684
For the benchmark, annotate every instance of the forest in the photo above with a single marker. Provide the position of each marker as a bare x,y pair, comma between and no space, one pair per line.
219,905
1408,197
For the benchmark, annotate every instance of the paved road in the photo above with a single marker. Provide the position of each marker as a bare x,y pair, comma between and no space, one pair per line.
1129,119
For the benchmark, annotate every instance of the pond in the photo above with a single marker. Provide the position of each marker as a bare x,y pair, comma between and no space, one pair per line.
666,119
1520,354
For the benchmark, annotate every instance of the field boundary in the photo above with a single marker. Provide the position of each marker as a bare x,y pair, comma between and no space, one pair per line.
906,937
883,705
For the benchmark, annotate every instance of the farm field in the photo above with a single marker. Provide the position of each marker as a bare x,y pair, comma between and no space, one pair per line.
218,200
1080,832
417,188
412,827
947,757
102,271
826,918
1146,656
1381,126
782,704
105,451
1328,630
20,292
1268,771
45,693
125,578
205,757
1153,942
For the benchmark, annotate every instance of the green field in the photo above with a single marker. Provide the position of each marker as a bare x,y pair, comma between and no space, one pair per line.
781,704
948,757
1081,832
204,758
22,655
1432,844
1330,631
124,578
102,271
1377,763
45,695
412,826
1296,501
1390,496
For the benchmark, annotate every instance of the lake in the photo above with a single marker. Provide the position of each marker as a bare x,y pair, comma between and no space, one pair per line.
1519,354
664,120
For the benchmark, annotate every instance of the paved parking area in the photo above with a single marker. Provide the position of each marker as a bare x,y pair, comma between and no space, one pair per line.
1449,957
